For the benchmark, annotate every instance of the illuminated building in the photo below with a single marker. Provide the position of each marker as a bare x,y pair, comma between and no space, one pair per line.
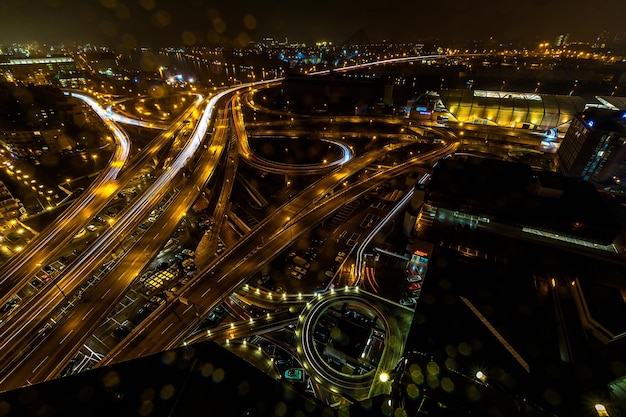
510,109
594,147
59,70
10,207
562,40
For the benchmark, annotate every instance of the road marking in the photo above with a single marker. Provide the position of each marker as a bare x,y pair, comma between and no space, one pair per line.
168,326
86,314
205,293
187,309
63,340
101,342
103,295
40,363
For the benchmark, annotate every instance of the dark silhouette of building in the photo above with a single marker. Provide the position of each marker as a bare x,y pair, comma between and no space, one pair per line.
469,191
594,147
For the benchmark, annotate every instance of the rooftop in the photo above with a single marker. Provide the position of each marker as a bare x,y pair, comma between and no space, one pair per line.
512,194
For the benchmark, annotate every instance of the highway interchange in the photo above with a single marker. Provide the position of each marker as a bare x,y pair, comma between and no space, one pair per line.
48,331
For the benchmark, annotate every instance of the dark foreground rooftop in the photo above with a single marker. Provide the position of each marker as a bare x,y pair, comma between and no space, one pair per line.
203,379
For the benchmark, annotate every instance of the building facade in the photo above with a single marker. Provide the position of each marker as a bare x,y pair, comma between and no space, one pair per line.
594,147
10,207
511,109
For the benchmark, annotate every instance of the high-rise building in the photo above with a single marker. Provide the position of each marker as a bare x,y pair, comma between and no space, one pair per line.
562,40
594,146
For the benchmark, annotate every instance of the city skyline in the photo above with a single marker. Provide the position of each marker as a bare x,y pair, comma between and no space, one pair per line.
149,23
405,227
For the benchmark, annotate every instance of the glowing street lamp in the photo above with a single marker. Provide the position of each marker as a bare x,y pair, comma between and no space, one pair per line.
601,410
481,376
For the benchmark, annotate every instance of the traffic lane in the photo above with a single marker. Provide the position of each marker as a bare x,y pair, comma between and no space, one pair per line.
78,215
198,291
153,246
234,271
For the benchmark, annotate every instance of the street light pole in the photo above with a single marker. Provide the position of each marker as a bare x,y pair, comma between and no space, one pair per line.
62,293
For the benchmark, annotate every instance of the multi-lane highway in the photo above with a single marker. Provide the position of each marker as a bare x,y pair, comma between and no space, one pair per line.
20,336
37,349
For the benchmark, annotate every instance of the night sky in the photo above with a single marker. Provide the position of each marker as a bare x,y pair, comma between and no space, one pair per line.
156,23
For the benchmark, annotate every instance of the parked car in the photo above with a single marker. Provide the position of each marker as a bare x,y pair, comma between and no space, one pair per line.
123,329
408,301
414,278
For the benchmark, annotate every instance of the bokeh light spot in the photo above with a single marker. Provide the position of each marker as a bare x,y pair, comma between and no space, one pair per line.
129,41
146,408
5,408
219,25
244,388
207,370
249,22
147,4
309,405
432,381
472,393
109,4
167,392
218,375
170,356
447,385
161,19
111,380
147,394
432,368
243,40
108,28
280,409
122,11
452,364
400,412
465,349
188,38
412,391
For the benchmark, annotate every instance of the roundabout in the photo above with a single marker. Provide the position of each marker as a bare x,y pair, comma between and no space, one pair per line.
345,342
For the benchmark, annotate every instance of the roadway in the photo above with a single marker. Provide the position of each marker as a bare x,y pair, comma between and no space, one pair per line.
37,364
170,325
17,332
217,280
20,268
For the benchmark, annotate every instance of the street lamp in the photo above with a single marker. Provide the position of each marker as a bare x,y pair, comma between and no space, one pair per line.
481,376
601,410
